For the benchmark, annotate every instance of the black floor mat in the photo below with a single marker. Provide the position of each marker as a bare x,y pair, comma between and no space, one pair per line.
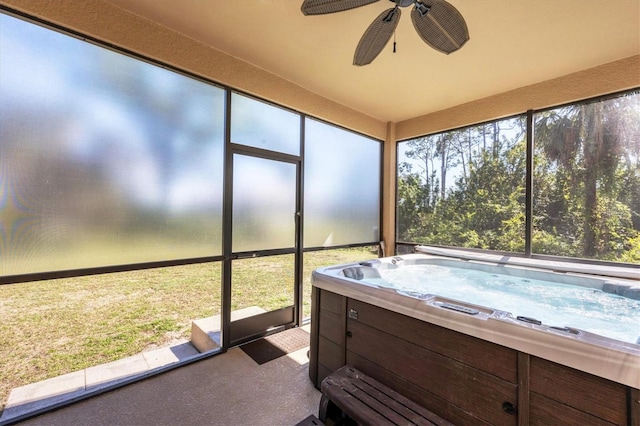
276,345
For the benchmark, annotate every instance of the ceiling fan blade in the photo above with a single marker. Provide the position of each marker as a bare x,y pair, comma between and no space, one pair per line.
440,25
320,7
376,37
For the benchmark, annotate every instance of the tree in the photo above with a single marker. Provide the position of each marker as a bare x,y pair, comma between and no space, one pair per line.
424,151
411,196
584,145
484,205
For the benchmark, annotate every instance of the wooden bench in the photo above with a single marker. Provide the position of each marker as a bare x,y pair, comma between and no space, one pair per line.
368,402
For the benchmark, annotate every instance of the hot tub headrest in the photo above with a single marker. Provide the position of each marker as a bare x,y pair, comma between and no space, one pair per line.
360,272
354,272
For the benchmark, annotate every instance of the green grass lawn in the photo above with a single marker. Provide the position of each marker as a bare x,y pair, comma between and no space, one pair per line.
54,327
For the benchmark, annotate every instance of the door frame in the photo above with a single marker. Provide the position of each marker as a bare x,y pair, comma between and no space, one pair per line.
259,325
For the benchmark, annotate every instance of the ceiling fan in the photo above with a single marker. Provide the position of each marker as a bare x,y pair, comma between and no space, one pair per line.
437,22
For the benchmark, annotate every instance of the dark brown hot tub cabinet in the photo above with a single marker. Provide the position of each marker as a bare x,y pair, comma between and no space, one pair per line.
463,379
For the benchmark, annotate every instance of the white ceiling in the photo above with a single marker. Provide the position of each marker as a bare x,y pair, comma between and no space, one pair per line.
513,43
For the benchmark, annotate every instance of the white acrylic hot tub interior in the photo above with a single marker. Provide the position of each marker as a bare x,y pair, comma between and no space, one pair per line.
576,303
564,317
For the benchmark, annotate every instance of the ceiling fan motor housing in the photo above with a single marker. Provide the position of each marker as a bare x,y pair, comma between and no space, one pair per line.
438,23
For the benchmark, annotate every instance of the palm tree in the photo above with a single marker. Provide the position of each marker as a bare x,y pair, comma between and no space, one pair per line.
589,141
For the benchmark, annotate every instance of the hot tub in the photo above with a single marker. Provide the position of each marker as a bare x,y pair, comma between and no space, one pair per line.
477,337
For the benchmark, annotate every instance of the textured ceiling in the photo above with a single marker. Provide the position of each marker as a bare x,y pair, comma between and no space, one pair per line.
513,43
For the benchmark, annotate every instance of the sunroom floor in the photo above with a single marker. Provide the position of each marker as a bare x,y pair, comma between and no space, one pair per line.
227,389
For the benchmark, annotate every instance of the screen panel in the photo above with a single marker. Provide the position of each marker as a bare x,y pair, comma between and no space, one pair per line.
464,187
587,180
341,186
264,204
260,125
263,282
105,159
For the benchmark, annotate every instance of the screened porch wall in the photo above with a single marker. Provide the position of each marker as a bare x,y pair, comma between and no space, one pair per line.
113,25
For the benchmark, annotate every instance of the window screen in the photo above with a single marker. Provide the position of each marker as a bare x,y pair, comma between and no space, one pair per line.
261,125
264,204
464,187
587,180
104,159
341,187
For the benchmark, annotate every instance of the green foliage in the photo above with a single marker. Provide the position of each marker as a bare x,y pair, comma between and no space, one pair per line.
411,202
586,192
473,213
632,255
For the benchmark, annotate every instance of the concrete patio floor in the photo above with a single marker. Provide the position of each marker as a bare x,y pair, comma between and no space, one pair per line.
44,394
226,389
